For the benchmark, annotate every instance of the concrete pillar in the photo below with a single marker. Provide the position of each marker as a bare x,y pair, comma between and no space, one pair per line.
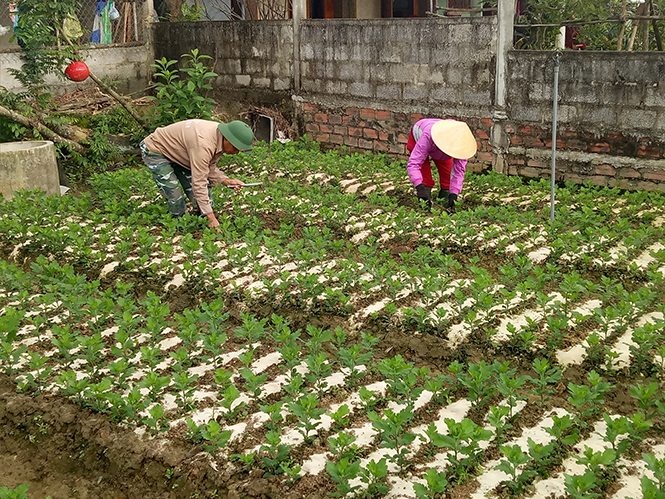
561,38
28,165
299,13
504,43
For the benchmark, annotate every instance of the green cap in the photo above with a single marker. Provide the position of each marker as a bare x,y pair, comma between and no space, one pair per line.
239,134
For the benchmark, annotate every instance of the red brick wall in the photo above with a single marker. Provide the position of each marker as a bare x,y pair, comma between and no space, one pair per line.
380,130
612,159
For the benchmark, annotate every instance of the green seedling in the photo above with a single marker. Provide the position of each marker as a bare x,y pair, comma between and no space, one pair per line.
547,375
229,398
317,337
274,454
436,485
65,342
392,434
154,383
71,386
193,432
319,368
598,461
306,410
96,394
373,476
367,397
401,377
156,422
182,383
222,379
340,416
151,356
540,456
638,427
515,458
522,340
20,492
498,418
580,486
645,339
509,387
252,330
274,412
477,381
342,472
647,398
559,430
463,439
253,382
36,363
436,386
121,371
91,347
657,466
650,490
588,400
247,460
343,446
182,359
215,437
352,357
213,344
615,428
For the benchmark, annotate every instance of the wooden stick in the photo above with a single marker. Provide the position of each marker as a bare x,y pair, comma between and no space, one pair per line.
136,27
631,42
622,31
659,42
45,131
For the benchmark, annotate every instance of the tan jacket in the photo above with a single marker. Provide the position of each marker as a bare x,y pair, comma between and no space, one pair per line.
196,145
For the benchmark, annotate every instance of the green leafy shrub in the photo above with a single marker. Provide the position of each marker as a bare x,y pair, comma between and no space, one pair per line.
179,95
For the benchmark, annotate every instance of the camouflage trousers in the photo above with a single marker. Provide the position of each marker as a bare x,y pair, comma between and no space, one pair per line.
174,181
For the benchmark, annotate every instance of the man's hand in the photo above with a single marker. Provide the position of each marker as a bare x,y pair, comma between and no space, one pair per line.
234,183
213,222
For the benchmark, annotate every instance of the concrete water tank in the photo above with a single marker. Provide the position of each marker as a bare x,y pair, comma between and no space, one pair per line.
28,165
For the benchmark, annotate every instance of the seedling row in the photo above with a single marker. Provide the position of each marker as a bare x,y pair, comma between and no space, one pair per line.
285,341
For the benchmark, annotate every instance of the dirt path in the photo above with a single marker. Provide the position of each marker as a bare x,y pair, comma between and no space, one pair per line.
63,451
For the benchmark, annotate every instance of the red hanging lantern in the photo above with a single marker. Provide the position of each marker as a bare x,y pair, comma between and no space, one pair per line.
77,71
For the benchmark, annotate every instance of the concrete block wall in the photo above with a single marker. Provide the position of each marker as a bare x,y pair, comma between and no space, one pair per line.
610,123
431,63
251,58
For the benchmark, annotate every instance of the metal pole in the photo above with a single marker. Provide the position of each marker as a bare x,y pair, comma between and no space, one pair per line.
557,55
299,13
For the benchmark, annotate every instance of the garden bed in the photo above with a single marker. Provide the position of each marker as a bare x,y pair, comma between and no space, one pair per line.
335,337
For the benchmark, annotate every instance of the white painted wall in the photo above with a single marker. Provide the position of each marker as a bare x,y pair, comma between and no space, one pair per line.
368,9
128,65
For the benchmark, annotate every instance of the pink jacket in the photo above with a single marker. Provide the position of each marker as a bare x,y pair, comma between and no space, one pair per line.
194,144
425,147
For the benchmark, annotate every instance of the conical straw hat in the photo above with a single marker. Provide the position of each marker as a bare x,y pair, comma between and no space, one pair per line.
454,138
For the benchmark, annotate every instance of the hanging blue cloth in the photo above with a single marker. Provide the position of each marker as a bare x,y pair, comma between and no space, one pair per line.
96,36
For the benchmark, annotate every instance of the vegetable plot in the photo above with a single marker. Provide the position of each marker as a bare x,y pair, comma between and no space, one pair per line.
346,343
